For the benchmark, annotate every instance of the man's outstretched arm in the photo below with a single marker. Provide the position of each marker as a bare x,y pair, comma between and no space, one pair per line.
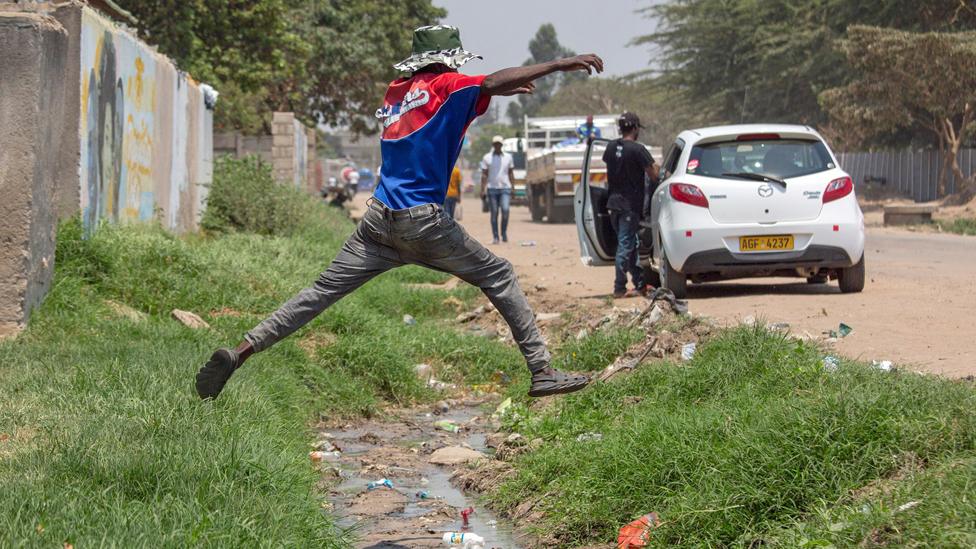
516,80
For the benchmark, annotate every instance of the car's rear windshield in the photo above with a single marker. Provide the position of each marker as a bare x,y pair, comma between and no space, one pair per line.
782,158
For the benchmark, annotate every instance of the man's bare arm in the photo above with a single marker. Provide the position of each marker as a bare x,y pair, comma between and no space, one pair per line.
518,79
654,172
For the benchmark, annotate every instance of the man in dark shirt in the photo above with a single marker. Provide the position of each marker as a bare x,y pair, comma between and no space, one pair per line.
627,163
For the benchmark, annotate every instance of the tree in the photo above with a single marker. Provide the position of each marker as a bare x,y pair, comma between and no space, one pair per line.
326,60
768,60
906,79
355,44
543,47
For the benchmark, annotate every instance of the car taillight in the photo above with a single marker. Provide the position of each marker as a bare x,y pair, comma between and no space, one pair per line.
838,188
689,194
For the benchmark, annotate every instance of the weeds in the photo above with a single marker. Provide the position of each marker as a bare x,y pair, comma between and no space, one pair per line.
104,440
749,436
959,226
245,197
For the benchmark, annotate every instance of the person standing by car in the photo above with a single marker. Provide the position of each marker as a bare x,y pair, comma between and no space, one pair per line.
453,198
628,162
497,173
424,117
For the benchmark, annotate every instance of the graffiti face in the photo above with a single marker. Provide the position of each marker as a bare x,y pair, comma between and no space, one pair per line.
104,128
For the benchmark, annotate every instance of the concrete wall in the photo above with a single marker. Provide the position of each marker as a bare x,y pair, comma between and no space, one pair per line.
92,121
292,146
290,149
33,52
238,145
145,134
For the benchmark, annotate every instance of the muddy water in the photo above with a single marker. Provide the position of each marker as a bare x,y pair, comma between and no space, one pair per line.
398,449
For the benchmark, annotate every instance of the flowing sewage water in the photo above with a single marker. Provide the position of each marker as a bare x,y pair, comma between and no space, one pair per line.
398,450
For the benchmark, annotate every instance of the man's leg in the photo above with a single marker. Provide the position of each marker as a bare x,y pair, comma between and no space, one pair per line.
477,266
360,259
636,274
505,203
493,205
620,260
449,204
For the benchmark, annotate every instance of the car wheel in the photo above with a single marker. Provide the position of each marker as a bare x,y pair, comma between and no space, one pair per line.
534,207
852,278
672,279
550,203
817,279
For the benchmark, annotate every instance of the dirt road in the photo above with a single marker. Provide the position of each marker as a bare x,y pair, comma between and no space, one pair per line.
917,310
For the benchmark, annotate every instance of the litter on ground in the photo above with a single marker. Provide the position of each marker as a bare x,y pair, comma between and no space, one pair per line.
638,532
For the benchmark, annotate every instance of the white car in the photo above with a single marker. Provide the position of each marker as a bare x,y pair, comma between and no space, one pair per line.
734,202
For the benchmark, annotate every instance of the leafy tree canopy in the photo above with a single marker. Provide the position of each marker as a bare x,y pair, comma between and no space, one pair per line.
907,80
768,60
326,60
543,47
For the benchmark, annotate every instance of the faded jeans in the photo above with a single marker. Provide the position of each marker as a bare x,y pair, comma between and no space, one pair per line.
499,199
626,224
423,235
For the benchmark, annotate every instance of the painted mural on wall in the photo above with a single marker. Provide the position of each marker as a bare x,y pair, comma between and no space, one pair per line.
146,133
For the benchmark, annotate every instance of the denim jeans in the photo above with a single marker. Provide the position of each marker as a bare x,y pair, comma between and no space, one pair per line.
423,235
499,199
450,204
626,225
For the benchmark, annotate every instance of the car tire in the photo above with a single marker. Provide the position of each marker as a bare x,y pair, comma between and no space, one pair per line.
550,206
817,279
534,207
672,279
852,278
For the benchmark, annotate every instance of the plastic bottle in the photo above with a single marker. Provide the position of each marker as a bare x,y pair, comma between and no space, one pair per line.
447,425
466,540
380,483
465,513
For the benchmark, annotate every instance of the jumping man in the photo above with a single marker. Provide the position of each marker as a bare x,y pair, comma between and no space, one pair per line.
424,118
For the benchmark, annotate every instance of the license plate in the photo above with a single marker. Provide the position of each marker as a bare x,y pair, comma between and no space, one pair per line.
765,243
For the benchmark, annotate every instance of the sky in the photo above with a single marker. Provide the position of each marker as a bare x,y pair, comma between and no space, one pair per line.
500,30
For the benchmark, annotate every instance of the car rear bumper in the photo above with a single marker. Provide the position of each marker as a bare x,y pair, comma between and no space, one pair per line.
694,234
730,264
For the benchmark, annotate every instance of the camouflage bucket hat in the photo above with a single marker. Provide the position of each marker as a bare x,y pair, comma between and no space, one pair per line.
436,44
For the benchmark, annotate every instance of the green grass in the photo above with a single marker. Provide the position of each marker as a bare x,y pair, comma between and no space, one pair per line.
959,226
103,442
939,511
750,438
106,442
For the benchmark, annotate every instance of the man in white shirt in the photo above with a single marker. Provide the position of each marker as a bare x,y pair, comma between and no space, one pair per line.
497,173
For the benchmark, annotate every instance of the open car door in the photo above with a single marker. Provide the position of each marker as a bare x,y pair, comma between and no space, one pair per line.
597,239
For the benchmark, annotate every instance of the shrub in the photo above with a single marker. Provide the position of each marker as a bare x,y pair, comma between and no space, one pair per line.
245,197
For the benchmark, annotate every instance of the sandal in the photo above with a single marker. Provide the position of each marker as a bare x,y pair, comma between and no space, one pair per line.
214,374
550,381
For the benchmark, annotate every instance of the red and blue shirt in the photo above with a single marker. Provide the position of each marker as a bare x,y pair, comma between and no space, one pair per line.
424,119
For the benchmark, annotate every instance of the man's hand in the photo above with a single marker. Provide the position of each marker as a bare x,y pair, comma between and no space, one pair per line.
588,62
